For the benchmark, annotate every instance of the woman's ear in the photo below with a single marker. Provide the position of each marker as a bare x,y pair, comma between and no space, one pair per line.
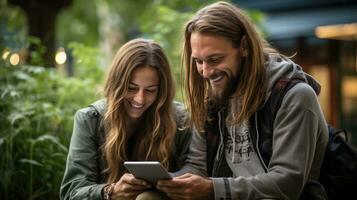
244,46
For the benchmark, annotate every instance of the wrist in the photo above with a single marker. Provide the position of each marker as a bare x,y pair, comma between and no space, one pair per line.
210,188
107,191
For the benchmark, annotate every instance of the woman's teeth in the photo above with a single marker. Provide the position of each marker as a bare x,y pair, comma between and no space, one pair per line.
136,106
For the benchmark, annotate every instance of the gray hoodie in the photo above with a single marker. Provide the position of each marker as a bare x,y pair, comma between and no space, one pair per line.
300,137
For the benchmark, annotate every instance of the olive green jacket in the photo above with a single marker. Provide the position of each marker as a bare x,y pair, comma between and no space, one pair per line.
83,177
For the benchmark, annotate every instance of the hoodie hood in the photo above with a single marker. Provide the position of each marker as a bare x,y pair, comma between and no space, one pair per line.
280,67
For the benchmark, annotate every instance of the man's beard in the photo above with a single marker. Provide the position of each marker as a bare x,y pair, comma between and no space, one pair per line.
221,98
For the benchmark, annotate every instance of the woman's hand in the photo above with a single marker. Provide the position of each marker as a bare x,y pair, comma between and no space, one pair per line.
128,187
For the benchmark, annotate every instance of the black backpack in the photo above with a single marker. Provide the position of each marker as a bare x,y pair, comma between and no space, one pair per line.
339,169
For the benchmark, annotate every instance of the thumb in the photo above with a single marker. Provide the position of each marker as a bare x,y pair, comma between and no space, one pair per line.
187,175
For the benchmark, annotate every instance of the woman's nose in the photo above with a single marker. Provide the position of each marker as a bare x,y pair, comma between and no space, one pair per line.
139,97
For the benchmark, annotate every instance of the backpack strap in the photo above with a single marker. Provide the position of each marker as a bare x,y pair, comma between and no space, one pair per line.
99,106
95,114
266,116
280,89
97,123
337,132
97,110
212,138
338,171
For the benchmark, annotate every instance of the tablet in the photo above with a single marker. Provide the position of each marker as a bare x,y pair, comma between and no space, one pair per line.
151,171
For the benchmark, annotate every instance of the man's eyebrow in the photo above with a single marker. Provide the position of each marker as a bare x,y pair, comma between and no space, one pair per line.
215,55
194,58
209,56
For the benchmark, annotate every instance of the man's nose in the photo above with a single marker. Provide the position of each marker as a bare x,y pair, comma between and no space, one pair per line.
139,97
207,70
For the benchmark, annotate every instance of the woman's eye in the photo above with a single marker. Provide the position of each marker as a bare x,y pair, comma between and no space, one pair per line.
131,89
151,91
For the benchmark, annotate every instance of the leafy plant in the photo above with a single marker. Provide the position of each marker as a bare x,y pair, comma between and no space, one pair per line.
37,106
166,26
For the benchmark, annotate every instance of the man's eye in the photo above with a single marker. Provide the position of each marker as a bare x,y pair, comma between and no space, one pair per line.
198,61
213,60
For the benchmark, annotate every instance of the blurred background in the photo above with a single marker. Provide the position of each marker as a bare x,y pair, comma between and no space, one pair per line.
54,55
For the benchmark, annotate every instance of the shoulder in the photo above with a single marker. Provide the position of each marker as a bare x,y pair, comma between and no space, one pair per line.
93,110
181,119
100,106
180,114
301,90
301,95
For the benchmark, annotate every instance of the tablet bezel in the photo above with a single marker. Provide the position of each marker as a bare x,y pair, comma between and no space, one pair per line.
151,171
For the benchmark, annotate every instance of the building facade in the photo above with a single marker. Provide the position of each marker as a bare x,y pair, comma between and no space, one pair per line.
321,35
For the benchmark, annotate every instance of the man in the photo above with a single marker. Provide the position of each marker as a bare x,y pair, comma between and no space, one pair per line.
230,75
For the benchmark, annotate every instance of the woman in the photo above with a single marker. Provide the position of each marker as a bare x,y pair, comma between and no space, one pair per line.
137,120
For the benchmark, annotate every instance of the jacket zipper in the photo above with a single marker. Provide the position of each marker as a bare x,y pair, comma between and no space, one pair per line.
219,161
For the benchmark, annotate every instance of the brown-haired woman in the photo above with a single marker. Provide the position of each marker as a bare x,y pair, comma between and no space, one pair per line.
137,120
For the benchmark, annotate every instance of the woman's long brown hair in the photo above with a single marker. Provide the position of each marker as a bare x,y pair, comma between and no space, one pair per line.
158,127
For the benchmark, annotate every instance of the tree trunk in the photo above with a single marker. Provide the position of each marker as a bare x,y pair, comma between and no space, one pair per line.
41,17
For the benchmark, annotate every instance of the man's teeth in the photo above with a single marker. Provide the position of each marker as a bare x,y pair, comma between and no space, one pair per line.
217,78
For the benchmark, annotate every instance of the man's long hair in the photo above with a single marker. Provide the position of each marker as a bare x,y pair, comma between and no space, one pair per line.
226,20
158,126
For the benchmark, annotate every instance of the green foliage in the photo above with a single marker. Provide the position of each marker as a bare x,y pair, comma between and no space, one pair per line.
87,61
12,19
165,26
37,106
79,23
37,52
258,18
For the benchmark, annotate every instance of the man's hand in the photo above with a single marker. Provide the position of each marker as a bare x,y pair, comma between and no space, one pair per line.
187,186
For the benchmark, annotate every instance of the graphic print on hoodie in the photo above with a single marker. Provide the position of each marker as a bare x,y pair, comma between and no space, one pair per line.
240,154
